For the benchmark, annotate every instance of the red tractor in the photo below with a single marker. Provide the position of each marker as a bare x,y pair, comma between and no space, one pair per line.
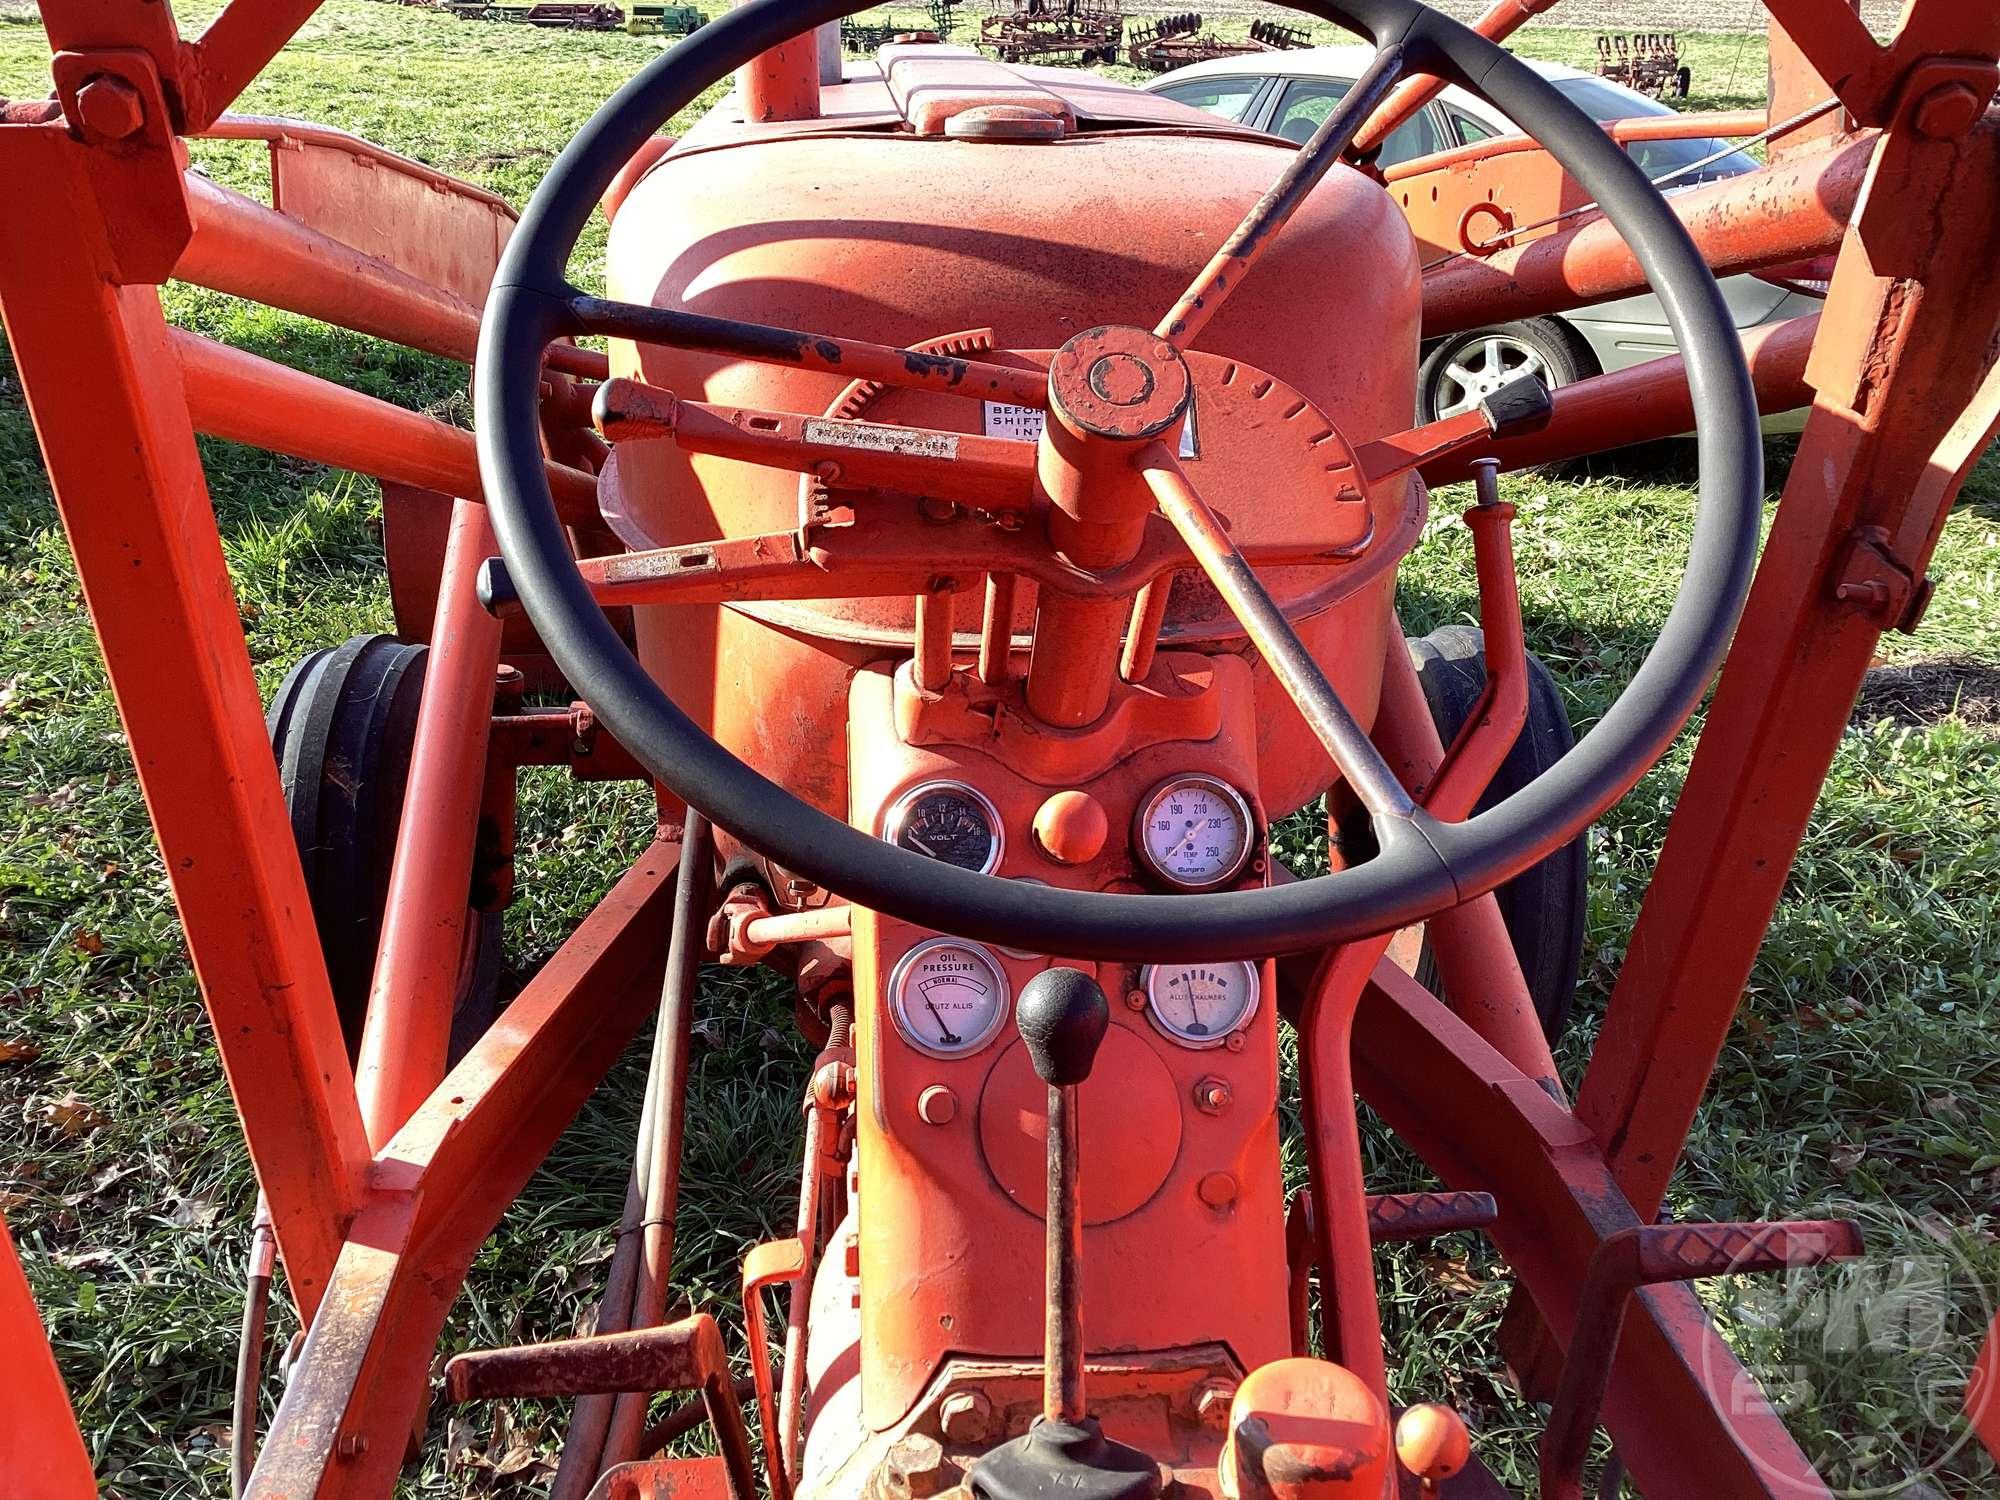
977,541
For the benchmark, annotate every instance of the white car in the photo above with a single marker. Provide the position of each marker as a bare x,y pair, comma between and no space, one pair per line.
1289,93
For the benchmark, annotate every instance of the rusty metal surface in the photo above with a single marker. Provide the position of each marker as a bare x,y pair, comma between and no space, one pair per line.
1422,1216
682,1356
444,239
1787,211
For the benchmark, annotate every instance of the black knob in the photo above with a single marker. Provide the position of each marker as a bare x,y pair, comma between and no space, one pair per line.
494,588
1062,1014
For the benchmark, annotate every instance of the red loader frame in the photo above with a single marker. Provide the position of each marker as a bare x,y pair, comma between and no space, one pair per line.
383,1180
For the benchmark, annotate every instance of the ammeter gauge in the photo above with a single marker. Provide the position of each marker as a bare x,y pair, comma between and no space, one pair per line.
1199,1005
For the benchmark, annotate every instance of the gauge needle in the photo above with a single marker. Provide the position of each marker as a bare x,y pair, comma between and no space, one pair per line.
917,839
944,1031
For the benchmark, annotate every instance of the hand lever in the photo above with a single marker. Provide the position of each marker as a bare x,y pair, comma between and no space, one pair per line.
1062,1016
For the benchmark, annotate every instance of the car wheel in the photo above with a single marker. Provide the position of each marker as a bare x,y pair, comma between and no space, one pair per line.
1465,368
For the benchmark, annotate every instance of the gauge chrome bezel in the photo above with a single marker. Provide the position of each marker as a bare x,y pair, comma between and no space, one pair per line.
1166,1028
1144,855
1002,1009
898,816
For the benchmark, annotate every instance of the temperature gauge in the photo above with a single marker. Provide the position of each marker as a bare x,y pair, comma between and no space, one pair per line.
948,821
1199,1005
1193,832
949,997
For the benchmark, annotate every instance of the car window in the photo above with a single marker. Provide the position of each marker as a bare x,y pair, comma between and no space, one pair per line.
1228,97
1603,100
1469,128
1308,101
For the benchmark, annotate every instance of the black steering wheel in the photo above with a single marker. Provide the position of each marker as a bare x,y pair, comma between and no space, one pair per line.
1423,865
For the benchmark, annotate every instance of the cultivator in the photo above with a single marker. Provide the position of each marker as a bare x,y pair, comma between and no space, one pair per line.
559,17
1175,41
856,36
1649,61
1059,546
1054,31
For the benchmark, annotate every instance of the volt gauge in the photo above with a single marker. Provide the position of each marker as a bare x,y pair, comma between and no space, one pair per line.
947,821
949,997
1193,832
1199,1005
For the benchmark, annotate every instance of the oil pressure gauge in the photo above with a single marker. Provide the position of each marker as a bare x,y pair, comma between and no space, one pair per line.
1193,832
948,821
1199,1005
949,997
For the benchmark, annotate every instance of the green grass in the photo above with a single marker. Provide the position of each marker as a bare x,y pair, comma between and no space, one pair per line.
1862,1068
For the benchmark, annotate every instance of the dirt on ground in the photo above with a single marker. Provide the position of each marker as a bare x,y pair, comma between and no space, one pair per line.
1935,688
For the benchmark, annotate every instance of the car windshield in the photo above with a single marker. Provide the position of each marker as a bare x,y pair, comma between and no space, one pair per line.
1604,100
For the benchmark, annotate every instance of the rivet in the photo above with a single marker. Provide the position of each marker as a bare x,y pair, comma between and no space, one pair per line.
1217,1189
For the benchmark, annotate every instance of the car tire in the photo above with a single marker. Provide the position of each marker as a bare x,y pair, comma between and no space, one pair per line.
1544,906
1461,369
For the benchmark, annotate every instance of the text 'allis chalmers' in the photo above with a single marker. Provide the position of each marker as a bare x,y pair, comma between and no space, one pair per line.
983,526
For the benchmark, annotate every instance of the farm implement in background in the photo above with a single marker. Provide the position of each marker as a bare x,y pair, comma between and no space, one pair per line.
971,596
1175,41
1054,31
1649,61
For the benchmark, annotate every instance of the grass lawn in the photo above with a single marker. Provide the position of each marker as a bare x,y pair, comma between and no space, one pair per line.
1863,1074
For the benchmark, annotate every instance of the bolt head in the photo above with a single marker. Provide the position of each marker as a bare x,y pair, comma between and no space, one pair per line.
1212,1095
1135,999
1947,111
965,1417
110,108
914,1466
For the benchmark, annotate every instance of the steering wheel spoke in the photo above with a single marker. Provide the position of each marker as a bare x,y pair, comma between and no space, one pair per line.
1373,783
840,451
1270,213
857,359
1520,407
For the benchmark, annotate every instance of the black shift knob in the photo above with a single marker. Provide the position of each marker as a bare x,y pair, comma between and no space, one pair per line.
1062,1014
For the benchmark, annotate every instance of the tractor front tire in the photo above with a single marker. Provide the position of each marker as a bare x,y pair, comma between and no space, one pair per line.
1544,906
343,725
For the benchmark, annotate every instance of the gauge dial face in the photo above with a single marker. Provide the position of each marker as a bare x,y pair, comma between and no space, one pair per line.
948,821
1199,1005
1193,832
949,997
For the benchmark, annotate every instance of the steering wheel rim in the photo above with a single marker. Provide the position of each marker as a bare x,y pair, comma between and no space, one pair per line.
1423,866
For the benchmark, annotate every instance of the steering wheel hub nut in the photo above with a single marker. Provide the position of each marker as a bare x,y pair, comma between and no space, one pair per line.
1125,384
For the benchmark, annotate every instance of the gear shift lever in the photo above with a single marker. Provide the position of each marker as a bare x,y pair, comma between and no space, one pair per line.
1062,1016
